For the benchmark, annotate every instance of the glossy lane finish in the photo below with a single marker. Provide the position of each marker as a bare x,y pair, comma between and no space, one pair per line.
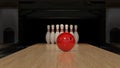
49,56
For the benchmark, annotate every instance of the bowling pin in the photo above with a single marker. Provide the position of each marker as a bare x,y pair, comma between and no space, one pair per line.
66,28
76,35
57,32
71,30
52,35
61,28
48,35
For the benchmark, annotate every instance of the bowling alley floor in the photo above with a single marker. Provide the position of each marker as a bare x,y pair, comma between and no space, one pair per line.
17,47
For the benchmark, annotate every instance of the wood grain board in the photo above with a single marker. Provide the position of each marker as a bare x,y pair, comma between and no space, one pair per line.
50,56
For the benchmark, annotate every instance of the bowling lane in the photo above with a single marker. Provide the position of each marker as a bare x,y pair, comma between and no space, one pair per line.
49,56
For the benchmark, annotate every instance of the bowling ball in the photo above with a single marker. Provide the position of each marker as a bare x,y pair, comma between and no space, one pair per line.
65,41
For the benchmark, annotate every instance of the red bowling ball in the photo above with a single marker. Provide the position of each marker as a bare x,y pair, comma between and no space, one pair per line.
65,41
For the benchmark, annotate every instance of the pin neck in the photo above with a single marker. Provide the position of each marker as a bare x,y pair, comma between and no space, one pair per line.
48,30
66,30
71,30
57,30
62,30
52,30
75,30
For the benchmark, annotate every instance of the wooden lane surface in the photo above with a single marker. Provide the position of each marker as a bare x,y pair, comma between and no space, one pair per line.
49,56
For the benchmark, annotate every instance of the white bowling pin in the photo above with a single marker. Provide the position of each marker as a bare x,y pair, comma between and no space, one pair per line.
76,35
61,28
57,32
71,30
52,35
48,35
66,28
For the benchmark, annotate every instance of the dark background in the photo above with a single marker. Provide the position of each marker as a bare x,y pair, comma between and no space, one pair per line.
89,15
